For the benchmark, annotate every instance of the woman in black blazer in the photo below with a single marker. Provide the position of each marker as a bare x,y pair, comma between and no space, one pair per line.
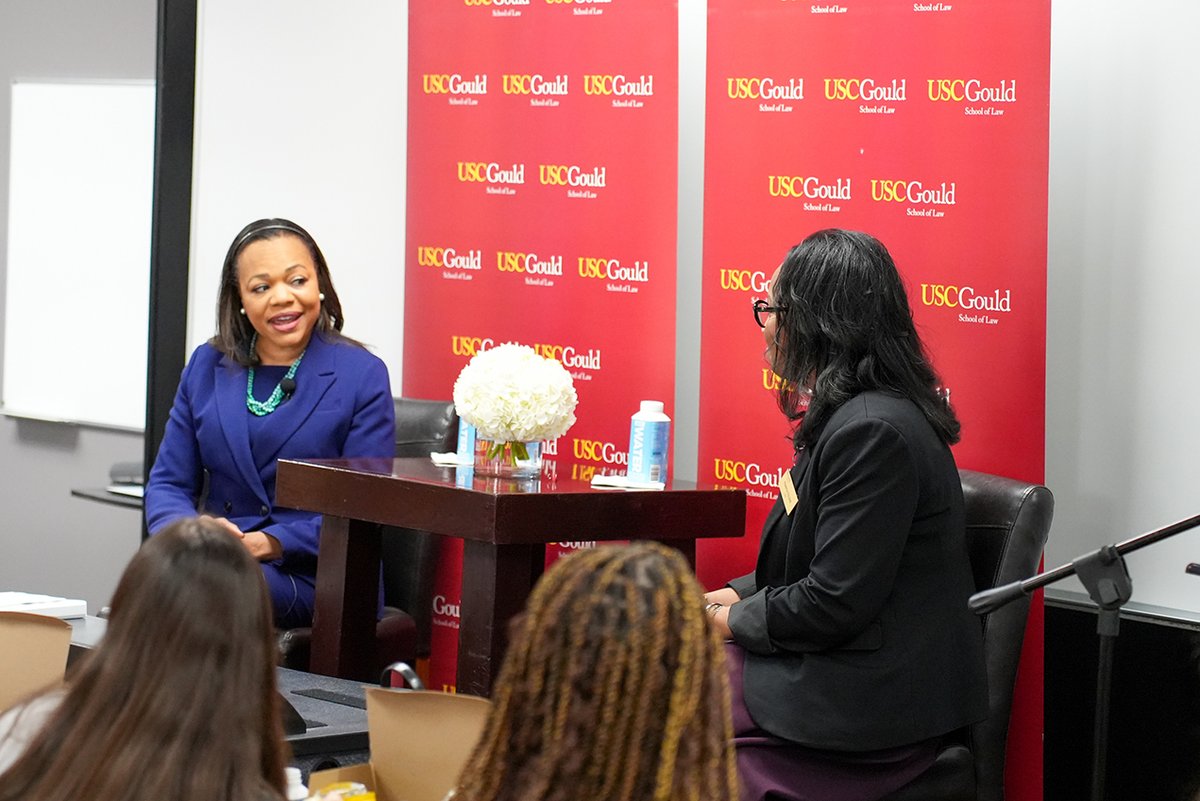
853,649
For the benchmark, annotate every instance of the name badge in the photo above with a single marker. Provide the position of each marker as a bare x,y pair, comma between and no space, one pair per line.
787,491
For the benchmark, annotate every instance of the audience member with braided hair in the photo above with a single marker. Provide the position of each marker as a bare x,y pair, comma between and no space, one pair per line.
614,688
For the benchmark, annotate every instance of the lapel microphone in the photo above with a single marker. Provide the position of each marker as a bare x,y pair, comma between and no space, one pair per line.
288,385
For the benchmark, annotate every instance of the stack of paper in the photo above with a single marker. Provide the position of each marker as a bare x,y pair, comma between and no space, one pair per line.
42,604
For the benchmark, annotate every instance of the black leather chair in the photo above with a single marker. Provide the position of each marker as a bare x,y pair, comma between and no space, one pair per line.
409,557
1007,525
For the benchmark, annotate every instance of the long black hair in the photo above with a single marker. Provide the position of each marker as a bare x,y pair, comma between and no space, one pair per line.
846,328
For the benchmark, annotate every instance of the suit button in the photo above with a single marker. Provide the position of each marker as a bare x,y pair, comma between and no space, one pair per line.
228,507
262,510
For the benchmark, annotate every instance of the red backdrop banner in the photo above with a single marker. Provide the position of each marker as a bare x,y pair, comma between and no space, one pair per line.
542,153
926,125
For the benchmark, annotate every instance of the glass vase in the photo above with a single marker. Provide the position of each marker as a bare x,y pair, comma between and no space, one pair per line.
521,460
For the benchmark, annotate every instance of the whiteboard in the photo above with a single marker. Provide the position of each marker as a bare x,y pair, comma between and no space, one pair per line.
78,275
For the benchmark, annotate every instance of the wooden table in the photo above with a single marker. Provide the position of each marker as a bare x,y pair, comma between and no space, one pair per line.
505,526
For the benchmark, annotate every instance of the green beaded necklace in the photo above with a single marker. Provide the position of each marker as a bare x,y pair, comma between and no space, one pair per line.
263,408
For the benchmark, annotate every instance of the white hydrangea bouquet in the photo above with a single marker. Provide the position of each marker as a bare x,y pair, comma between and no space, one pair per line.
514,396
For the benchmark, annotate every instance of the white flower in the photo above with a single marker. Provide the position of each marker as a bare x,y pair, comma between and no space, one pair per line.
511,394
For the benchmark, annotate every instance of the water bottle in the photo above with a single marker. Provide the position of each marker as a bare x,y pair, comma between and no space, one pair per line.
649,438
466,442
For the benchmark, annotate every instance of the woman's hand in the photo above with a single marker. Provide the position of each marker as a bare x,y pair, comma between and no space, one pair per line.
718,616
261,545
725,595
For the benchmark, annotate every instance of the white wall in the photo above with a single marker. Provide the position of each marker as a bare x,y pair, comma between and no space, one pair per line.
1123,377
49,541
301,108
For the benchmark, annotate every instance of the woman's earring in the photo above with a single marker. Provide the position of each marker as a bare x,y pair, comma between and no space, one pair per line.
243,311
321,296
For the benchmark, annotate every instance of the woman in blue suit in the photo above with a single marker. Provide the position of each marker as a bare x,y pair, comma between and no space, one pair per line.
278,381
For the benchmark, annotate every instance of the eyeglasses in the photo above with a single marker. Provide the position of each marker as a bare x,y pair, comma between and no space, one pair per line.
762,310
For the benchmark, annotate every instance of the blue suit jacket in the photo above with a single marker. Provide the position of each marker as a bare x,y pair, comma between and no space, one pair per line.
342,407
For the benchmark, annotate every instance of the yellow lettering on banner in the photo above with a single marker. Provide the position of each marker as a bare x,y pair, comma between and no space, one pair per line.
787,491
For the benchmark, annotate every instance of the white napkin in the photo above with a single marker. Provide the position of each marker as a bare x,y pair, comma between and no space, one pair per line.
624,482
451,460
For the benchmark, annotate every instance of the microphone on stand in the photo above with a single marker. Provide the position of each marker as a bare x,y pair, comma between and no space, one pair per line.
288,385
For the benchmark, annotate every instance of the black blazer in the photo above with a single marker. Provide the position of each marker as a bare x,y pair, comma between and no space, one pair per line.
855,620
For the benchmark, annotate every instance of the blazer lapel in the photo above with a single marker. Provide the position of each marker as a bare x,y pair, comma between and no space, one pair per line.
778,523
315,376
230,382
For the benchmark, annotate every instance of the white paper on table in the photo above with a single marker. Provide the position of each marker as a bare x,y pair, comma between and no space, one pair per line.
624,482
451,460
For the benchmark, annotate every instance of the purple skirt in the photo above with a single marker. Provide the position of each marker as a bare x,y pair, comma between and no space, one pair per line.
772,768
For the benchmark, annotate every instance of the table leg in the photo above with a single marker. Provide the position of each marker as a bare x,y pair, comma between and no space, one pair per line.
347,599
685,547
496,581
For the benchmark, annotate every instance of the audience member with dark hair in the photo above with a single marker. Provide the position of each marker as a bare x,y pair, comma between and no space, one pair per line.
855,652
177,702
613,688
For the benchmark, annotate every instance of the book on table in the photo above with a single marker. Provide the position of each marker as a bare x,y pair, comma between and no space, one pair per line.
42,604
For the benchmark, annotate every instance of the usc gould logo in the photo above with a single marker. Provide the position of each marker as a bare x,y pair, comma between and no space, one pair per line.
745,473
593,450
569,356
455,84
618,85
442,607
612,270
954,297
534,85
469,346
797,186
971,90
865,89
491,173
744,280
496,2
428,256
572,175
764,89
528,263
771,380
888,191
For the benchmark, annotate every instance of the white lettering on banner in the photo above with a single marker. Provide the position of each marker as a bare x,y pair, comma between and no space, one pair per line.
797,186
455,84
613,270
893,191
744,280
949,296
865,89
593,450
764,89
445,614
971,90
745,473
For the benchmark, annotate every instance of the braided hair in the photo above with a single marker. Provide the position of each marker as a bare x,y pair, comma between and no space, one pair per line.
614,688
